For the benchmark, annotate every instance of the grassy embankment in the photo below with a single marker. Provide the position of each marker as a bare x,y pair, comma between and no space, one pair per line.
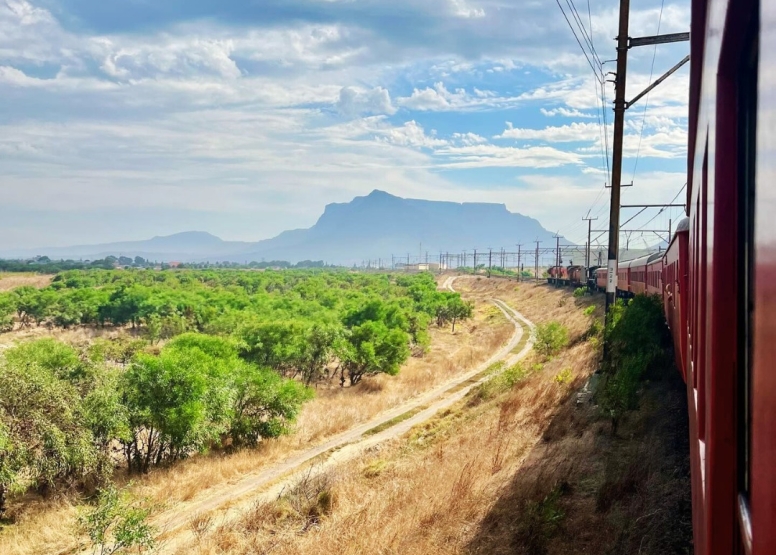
517,467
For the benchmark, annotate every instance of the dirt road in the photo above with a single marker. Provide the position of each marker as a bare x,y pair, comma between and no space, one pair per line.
228,502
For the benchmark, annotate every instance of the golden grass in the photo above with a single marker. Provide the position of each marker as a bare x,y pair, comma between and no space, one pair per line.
49,529
12,280
430,491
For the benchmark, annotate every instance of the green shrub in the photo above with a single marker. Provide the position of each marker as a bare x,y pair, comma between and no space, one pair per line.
637,339
550,338
117,523
564,377
580,291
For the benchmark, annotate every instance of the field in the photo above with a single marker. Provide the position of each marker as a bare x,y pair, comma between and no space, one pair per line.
516,466
46,524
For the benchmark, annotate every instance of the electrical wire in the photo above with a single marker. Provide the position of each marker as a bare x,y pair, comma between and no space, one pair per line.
646,100
578,41
663,209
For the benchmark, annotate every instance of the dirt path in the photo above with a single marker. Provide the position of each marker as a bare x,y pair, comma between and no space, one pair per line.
230,501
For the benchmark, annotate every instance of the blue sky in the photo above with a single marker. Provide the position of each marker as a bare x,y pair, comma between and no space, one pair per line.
133,118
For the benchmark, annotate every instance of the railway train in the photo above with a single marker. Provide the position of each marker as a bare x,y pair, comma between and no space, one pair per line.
716,280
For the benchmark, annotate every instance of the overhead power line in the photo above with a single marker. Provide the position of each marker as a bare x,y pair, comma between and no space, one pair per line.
646,101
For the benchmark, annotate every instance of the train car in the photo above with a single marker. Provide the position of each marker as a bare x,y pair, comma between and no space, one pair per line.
623,285
637,275
674,279
731,290
576,275
655,274
600,279
557,275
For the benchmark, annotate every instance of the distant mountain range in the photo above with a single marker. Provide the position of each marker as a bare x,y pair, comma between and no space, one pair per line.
370,227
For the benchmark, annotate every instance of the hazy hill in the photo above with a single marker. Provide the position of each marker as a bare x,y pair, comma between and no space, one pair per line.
374,226
380,224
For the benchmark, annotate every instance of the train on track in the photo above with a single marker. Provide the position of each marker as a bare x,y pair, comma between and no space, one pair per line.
716,277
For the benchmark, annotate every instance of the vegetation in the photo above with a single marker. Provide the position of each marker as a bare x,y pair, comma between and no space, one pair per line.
238,350
45,265
550,338
117,524
637,339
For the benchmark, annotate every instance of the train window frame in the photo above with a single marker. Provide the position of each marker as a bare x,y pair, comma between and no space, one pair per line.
747,102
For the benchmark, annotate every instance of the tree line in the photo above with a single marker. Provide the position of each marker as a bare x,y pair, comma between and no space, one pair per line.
213,359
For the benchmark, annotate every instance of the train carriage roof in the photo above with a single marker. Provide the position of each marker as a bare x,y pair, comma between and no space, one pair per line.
640,261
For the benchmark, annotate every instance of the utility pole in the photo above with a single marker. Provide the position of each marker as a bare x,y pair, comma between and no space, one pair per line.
408,263
490,260
475,261
589,221
518,261
536,262
557,259
619,122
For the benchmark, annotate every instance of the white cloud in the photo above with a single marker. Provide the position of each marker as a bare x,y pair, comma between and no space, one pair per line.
353,101
565,112
573,132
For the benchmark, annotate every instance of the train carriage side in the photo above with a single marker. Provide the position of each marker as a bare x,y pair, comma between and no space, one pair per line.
674,279
623,286
575,275
600,279
637,270
654,274
731,293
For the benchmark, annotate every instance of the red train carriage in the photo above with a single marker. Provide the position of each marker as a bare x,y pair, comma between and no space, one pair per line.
576,275
674,279
636,270
731,293
600,279
655,274
557,274
623,284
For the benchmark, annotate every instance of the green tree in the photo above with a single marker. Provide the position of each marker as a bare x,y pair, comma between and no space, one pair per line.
373,348
264,404
44,441
176,404
458,309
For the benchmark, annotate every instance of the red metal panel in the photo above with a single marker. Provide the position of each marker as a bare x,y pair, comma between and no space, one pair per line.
763,494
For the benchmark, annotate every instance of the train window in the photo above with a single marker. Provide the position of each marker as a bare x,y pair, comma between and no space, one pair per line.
747,133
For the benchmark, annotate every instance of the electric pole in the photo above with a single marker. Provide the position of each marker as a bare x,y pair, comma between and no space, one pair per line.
518,261
490,260
589,221
536,262
475,261
619,122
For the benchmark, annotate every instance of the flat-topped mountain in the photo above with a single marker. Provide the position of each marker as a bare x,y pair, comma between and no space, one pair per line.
374,226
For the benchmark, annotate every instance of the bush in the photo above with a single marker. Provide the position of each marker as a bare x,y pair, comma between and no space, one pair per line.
117,524
580,291
564,377
637,339
550,338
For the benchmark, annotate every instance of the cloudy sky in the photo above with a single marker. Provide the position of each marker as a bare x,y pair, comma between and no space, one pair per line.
131,118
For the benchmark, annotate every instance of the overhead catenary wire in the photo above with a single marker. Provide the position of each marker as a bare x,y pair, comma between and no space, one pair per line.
646,100
663,209
584,52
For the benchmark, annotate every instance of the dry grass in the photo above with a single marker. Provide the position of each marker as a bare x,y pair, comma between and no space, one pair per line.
75,336
49,528
526,471
431,491
12,280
